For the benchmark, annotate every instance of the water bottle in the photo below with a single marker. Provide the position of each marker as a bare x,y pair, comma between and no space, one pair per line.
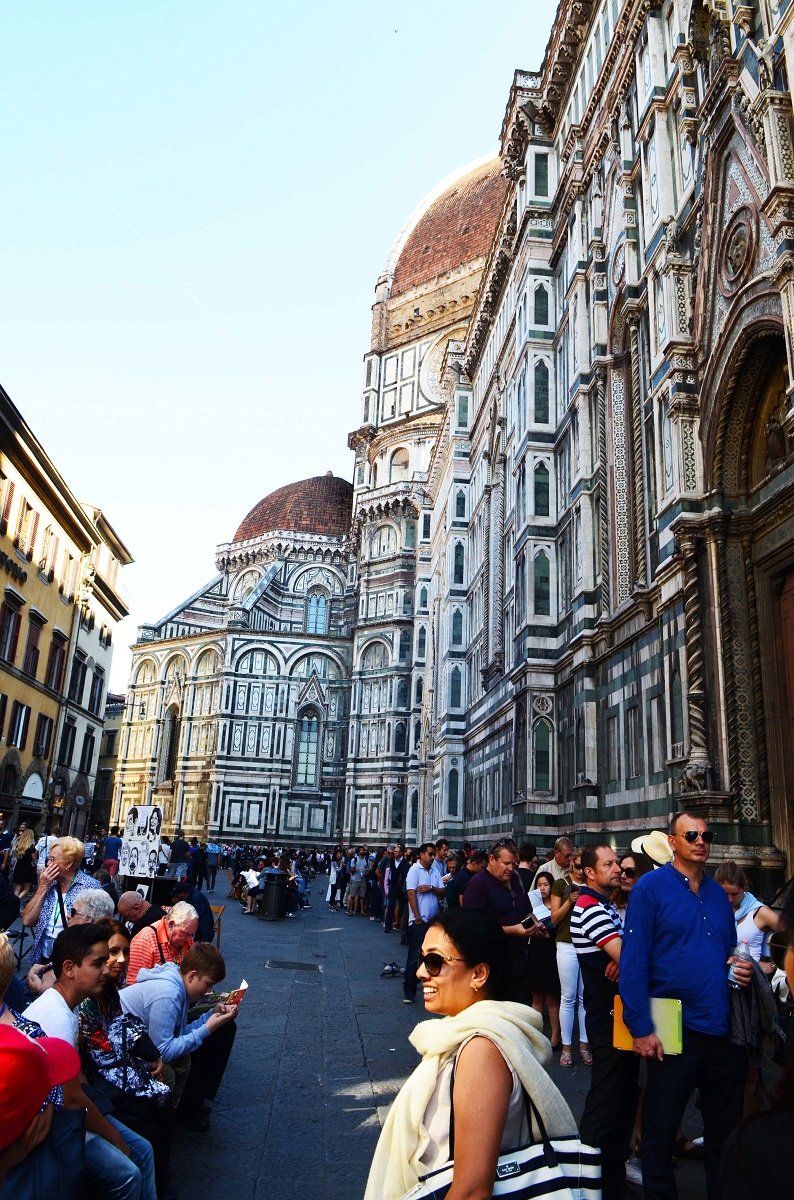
742,951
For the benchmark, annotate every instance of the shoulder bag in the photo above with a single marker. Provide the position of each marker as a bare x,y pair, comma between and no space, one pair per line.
561,1168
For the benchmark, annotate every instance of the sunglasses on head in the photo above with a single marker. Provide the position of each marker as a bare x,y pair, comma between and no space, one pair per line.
433,962
692,835
629,872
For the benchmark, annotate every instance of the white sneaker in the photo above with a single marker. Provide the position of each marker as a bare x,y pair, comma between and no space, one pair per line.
634,1171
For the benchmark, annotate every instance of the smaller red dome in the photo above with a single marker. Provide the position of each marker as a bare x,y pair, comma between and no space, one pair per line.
322,505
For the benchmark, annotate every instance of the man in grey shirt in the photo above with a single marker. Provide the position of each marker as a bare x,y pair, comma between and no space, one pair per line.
359,865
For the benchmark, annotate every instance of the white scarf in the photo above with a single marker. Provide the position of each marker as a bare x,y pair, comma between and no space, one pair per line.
516,1030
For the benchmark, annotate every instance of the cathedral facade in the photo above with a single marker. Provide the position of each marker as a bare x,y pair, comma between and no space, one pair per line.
564,597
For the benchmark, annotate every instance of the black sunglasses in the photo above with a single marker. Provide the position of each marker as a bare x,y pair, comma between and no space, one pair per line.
629,872
433,962
692,835
578,865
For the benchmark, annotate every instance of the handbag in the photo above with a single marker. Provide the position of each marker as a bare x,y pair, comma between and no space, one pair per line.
562,1168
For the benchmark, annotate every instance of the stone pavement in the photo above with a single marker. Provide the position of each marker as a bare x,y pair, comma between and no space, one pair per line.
321,1050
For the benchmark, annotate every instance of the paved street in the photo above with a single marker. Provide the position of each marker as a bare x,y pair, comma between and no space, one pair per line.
321,1050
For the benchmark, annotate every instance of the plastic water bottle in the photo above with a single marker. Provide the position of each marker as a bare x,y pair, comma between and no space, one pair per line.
742,951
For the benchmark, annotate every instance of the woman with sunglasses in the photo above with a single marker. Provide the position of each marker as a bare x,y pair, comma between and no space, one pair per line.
631,867
494,1048
564,894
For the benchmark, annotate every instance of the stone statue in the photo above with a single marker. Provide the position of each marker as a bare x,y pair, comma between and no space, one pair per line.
693,777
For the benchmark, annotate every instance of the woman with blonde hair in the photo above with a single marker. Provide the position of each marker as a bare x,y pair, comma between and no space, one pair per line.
21,861
51,903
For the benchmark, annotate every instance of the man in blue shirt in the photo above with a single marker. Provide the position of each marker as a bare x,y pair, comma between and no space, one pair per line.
679,937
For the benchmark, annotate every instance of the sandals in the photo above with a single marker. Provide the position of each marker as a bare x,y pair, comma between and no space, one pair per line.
566,1059
585,1056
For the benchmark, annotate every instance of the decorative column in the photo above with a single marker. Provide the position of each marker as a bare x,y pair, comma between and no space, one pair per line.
486,589
695,773
497,550
640,557
603,490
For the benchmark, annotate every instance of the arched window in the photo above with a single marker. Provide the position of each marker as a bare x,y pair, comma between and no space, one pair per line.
541,305
417,734
414,808
455,688
460,504
541,490
316,613
541,393
541,757
458,561
421,642
521,748
410,534
457,628
373,657
405,645
399,465
398,808
542,571
382,541
308,743
419,691
677,710
402,693
452,792
423,597
170,746
400,737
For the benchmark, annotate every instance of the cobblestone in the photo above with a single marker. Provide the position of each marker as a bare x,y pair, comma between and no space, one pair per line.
318,1058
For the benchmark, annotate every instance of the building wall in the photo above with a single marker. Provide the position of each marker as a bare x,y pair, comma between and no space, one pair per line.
60,603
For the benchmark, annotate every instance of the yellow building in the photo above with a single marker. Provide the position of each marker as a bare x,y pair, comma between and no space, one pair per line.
59,606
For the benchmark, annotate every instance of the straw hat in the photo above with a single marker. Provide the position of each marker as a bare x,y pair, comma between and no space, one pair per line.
655,845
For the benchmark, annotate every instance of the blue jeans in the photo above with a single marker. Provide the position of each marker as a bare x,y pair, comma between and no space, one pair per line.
118,1177
718,1070
416,935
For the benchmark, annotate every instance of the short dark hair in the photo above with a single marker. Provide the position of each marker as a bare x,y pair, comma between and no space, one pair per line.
426,846
526,851
544,875
676,817
75,942
204,959
442,842
478,856
589,855
502,843
480,939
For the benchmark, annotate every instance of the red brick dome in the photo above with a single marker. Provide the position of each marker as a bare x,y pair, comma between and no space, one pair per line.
455,227
323,504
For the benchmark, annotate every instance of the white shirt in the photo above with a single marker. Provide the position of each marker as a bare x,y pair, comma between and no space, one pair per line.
56,1018
426,902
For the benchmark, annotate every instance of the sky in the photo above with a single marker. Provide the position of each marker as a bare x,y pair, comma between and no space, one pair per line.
196,202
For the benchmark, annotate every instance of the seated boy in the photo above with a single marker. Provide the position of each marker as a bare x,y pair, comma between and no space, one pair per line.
161,997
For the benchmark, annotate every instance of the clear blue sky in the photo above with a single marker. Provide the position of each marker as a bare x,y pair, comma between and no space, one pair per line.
197,199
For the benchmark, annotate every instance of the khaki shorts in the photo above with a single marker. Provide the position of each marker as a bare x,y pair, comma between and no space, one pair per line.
358,887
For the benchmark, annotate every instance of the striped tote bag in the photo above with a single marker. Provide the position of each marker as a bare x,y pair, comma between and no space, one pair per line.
561,1168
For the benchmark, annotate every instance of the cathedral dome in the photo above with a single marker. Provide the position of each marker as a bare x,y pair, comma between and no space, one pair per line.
452,226
322,505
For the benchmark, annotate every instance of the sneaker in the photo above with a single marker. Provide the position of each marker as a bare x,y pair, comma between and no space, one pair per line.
409,1000
634,1171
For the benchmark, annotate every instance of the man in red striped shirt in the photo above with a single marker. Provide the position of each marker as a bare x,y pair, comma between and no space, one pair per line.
597,934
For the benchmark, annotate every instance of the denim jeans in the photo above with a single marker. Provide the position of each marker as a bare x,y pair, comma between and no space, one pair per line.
116,1176
416,935
718,1070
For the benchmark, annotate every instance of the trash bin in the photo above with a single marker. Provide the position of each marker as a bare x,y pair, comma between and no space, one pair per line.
272,906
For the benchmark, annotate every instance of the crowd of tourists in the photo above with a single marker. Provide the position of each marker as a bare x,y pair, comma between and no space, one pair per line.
116,1039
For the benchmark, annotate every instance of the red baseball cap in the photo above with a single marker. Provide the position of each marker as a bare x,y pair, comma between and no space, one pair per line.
29,1069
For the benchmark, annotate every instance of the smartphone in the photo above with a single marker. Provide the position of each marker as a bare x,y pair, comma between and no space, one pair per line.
530,922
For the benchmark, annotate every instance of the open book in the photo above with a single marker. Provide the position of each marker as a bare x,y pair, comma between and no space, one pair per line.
233,997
